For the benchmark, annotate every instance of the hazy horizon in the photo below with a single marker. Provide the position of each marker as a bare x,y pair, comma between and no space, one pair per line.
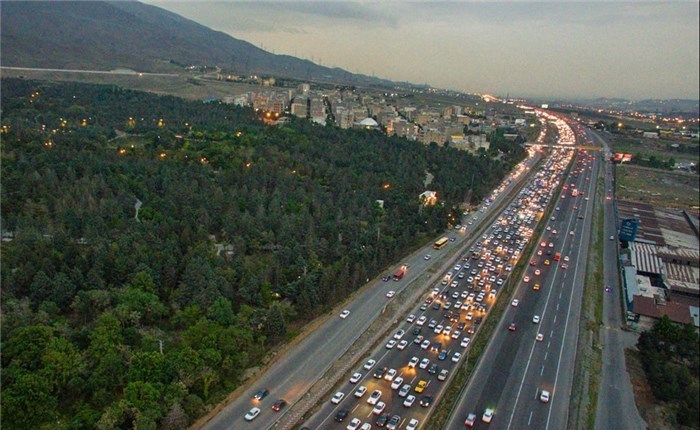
633,50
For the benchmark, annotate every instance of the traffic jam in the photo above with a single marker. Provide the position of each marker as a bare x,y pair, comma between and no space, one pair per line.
395,387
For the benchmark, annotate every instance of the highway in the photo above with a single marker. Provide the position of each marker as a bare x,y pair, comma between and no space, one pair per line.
485,268
515,367
616,408
291,376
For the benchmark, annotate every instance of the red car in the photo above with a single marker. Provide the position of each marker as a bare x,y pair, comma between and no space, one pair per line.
511,327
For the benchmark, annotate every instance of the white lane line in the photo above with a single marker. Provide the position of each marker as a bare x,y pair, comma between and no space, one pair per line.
542,371
555,319
529,419
545,355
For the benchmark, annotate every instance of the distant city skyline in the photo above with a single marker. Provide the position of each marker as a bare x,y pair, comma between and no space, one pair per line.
635,50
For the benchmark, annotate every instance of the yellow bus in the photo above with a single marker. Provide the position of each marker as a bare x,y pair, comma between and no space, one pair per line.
441,243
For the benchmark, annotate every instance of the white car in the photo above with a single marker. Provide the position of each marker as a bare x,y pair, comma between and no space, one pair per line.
390,294
405,390
426,257
390,344
438,329
398,381
421,320
390,374
465,342
354,424
544,396
424,363
379,408
337,397
355,378
374,397
344,314
366,426
399,334
411,318
425,344
414,360
370,364
408,402
361,390
488,415
539,337
456,357
252,414
526,279
566,258
536,319
412,424
402,345
515,302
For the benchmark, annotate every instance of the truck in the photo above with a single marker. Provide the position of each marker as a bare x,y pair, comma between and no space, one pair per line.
399,273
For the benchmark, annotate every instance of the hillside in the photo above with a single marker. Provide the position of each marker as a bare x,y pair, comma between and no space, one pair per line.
128,34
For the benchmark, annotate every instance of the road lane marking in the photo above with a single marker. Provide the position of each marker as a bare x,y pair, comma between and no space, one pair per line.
545,355
542,371
555,319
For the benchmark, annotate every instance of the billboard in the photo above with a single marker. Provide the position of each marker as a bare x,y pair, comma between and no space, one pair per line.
628,229
622,157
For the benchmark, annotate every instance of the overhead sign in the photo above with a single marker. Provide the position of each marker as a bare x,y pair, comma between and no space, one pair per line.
628,229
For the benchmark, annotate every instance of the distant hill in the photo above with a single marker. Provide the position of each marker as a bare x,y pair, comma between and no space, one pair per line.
128,34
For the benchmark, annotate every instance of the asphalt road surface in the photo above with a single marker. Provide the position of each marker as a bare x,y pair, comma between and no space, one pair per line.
515,367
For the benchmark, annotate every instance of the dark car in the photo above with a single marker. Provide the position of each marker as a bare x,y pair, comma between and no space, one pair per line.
279,405
423,307
461,326
394,422
261,394
386,278
342,414
433,369
382,420
478,320
379,373
436,305
416,331
442,355
426,401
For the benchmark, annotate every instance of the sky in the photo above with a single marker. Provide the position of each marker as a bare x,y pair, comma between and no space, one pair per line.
634,50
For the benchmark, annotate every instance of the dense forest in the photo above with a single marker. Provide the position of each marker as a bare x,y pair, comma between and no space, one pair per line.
155,248
670,355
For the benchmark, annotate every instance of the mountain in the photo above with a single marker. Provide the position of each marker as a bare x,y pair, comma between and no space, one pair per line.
128,34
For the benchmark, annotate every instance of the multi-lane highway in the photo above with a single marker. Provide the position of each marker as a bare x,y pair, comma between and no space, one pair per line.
533,347
291,376
436,336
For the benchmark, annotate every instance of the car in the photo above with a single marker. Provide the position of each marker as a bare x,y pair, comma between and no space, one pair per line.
421,320
370,364
344,314
536,287
423,307
488,415
399,334
355,378
544,396
424,363
412,424
533,263
536,319
426,401
337,397
390,344
566,258
612,237
252,414
427,257
390,374
421,386
404,390
425,344
526,279
571,233
354,424
465,342
470,420
394,422
408,401
564,266
382,420
279,405
511,327
390,294
414,361
551,245
537,272
442,355
546,262
374,397
261,394
366,426
396,383
433,369
419,339
379,408
539,252
456,356
341,415
361,390
539,337
410,318
379,373
515,303
402,345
